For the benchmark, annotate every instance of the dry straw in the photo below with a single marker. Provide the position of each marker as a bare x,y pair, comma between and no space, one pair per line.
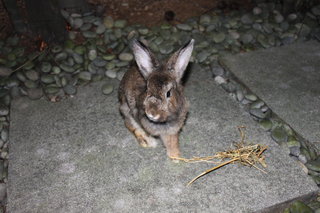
244,153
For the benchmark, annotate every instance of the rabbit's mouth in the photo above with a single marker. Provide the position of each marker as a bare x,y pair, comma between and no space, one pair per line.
155,119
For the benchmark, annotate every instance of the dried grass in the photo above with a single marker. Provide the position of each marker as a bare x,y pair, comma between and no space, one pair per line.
244,153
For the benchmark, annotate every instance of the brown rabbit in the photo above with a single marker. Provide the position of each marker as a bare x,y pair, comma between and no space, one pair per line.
151,97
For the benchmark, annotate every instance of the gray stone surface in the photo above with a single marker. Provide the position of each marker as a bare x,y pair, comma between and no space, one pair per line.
287,78
77,156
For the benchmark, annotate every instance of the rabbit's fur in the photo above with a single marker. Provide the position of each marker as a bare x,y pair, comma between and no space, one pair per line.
151,97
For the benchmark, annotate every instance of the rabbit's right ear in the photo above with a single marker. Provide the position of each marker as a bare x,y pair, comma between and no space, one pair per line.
144,58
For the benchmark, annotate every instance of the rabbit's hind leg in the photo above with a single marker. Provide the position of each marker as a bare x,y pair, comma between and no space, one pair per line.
144,139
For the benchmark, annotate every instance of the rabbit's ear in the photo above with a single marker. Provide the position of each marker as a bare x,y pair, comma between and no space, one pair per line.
180,59
144,58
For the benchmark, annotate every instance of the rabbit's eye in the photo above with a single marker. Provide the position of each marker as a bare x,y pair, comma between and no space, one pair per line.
169,94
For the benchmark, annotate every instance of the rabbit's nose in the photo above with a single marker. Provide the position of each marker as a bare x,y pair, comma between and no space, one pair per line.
153,117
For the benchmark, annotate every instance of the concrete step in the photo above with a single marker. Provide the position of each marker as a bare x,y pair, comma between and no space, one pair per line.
287,78
77,156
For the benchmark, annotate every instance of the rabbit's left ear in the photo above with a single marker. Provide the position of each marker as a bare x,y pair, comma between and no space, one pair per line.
180,59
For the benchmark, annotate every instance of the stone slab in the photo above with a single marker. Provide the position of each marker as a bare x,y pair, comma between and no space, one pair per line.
77,156
287,78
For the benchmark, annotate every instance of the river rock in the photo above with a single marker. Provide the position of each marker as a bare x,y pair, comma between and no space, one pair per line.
5,71
278,18
51,90
61,56
86,76
13,40
246,38
4,110
120,74
304,152
314,165
184,27
220,80
108,22
47,79
304,30
67,68
11,64
89,19
217,70
32,75
100,29
143,31
118,33
3,191
30,84
89,34
285,26
111,73
266,124
11,57
77,23
80,49
107,89
21,76
205,19
257,11
92,68
239,95
110,65
246,19
292,17
257,113
70,89
125,56
72,35
86,27
69,44
120,23
218,37
35,93
99,62
92,54
278,134
77,58
56,69
4,135
10,82
257,104
316,10
251,97
299,207
108,57
166,49
202,56
46,67
234,34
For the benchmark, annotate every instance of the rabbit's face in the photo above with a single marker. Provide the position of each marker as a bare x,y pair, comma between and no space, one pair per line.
161,100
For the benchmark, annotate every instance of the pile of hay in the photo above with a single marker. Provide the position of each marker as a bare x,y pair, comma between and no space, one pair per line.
244,153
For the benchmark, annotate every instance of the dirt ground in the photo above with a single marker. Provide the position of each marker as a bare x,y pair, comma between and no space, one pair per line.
154,12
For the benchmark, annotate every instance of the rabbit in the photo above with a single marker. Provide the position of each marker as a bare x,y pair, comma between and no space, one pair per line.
151,97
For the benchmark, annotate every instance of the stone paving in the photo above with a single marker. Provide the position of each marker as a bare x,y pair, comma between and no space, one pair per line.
287,80
77,156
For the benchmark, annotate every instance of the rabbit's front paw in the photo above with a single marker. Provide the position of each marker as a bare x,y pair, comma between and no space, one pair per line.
145,140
